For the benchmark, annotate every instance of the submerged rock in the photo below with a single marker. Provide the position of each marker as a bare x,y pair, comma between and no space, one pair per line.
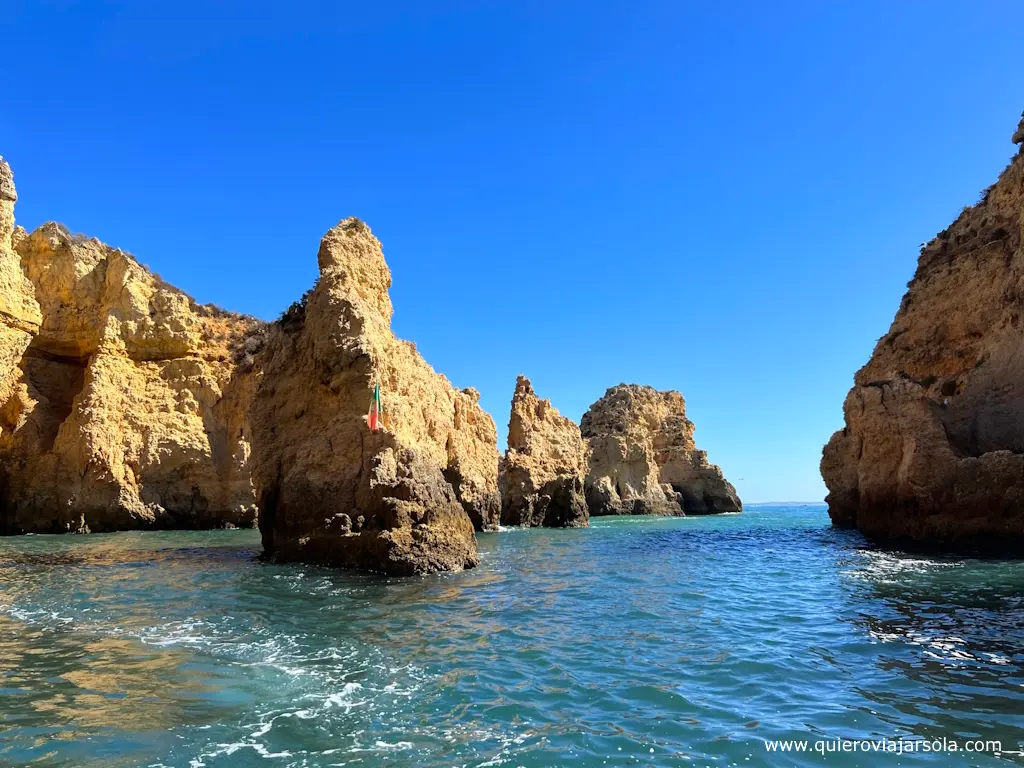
931,451
544,466
122,401
398,500
643,460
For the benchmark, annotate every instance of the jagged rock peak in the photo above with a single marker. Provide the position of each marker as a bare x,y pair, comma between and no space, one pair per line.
401,499
355,258
544,466
523,387
7,191
8,197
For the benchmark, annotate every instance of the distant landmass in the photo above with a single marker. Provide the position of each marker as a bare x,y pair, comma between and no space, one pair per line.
785,504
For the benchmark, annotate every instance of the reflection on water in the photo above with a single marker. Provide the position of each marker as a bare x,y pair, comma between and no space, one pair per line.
54,678
636,642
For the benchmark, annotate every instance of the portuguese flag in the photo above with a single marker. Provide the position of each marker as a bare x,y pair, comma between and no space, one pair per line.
376,416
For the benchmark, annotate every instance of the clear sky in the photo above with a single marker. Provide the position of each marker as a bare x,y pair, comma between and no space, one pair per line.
724,198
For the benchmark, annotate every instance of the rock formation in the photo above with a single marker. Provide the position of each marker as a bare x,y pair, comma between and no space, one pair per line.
544,466
122,401
643,458
932,452
398,500
19,311
124,404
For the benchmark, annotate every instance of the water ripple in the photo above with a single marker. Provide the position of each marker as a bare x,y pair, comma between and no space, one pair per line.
636,642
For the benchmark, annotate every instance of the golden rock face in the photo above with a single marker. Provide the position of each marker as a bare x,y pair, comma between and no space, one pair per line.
643,459
545,465
400,500
932,448
124,404
121,400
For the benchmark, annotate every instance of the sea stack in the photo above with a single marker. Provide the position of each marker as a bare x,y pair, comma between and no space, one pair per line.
400,499
122,401
932,452
643,459
544,466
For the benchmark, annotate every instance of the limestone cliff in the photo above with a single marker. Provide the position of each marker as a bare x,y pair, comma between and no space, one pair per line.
121,399
544,466
398,500
643,459
19,311
932,452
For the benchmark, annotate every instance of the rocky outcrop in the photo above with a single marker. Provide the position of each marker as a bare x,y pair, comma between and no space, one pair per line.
472,460
544,466
19,311
122,402
643,460
932,452
398,500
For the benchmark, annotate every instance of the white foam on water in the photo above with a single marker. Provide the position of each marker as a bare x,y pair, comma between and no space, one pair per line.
951,651
265,727
232,748
343,698
36,615
398,746
885,567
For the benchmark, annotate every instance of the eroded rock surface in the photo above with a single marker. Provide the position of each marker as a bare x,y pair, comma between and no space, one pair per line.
544,466
643,459
19,311
122,403
931,453
400,500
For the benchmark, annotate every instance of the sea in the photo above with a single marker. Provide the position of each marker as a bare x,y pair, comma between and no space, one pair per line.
702,641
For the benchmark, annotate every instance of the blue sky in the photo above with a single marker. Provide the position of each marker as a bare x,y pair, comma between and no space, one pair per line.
722,198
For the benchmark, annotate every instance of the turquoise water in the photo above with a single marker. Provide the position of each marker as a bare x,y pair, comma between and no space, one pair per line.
643,642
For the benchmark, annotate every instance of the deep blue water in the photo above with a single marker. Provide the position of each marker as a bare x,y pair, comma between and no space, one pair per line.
639,641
